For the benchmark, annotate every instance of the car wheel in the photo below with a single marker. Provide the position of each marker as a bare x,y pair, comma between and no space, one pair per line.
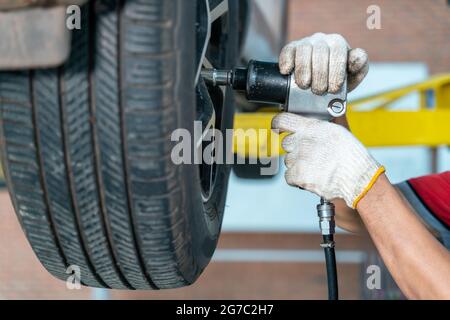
86,147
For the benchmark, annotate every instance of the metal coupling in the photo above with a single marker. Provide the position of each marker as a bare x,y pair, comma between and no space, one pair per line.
217,77
326,213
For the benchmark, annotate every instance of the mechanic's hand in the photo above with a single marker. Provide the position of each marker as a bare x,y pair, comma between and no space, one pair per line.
326,159
321,61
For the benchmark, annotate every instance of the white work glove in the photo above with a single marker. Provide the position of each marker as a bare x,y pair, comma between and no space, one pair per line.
326,159
321,61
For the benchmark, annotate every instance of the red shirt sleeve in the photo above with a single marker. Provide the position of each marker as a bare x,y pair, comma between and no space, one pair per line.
434,191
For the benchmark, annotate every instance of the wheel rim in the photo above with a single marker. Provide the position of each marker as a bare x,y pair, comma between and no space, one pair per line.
212,30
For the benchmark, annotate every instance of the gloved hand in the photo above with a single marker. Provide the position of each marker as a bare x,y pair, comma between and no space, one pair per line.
321,61
326,159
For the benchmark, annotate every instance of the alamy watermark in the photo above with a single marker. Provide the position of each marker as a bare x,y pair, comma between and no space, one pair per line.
73,20
373,281
209,147
373,21
73,281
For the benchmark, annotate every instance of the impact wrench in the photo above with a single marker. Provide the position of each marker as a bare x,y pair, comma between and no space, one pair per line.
262,82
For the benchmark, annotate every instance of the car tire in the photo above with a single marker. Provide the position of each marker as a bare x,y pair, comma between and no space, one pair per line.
86,148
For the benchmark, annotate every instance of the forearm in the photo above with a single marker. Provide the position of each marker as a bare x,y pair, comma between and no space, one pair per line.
410,252
348,218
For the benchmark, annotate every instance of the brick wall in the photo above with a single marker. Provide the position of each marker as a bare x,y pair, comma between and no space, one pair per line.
412,30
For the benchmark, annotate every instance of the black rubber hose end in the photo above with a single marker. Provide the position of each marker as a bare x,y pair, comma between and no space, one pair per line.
330,261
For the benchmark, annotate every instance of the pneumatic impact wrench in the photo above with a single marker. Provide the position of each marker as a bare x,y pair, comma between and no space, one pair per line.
262,82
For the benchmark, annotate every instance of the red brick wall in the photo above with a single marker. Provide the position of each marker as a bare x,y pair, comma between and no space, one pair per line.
412,30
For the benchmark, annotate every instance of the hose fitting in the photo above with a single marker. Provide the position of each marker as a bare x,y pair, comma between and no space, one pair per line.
325,211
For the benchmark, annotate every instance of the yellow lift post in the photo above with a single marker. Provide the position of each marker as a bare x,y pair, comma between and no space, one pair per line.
429,125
